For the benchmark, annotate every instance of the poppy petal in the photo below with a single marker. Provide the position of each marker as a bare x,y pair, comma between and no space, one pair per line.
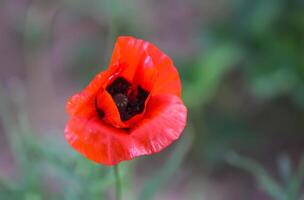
93,95
163,123
96,140
142,62
84,101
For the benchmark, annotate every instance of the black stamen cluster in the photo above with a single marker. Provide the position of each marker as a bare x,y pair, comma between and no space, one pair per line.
129,101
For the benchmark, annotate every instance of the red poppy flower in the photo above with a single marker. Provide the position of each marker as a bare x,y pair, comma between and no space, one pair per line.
131,109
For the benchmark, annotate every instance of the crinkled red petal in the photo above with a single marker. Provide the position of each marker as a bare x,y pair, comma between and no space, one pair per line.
143,63
163,122
84,102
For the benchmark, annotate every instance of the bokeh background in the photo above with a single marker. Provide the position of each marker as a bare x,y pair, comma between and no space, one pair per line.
242,68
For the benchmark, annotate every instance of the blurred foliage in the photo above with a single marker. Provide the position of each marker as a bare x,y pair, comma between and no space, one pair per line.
162,176
270,35
263,43
264,39
206,74
290,190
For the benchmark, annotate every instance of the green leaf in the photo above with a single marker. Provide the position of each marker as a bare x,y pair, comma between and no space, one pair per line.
294,187
263,15
285,168
209,72
267,183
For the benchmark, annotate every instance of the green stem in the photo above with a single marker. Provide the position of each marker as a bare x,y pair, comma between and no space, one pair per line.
117,183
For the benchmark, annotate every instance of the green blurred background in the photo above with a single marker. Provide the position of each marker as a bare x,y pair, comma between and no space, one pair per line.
242,68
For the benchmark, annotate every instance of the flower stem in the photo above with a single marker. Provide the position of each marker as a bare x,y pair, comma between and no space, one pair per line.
117,183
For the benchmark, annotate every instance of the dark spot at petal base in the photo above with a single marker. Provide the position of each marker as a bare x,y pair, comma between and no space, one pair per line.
98,110
130,101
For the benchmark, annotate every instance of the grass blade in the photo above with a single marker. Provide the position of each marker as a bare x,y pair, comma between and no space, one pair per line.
268,184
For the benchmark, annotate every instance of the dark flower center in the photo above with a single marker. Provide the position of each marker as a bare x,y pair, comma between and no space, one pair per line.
129,100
